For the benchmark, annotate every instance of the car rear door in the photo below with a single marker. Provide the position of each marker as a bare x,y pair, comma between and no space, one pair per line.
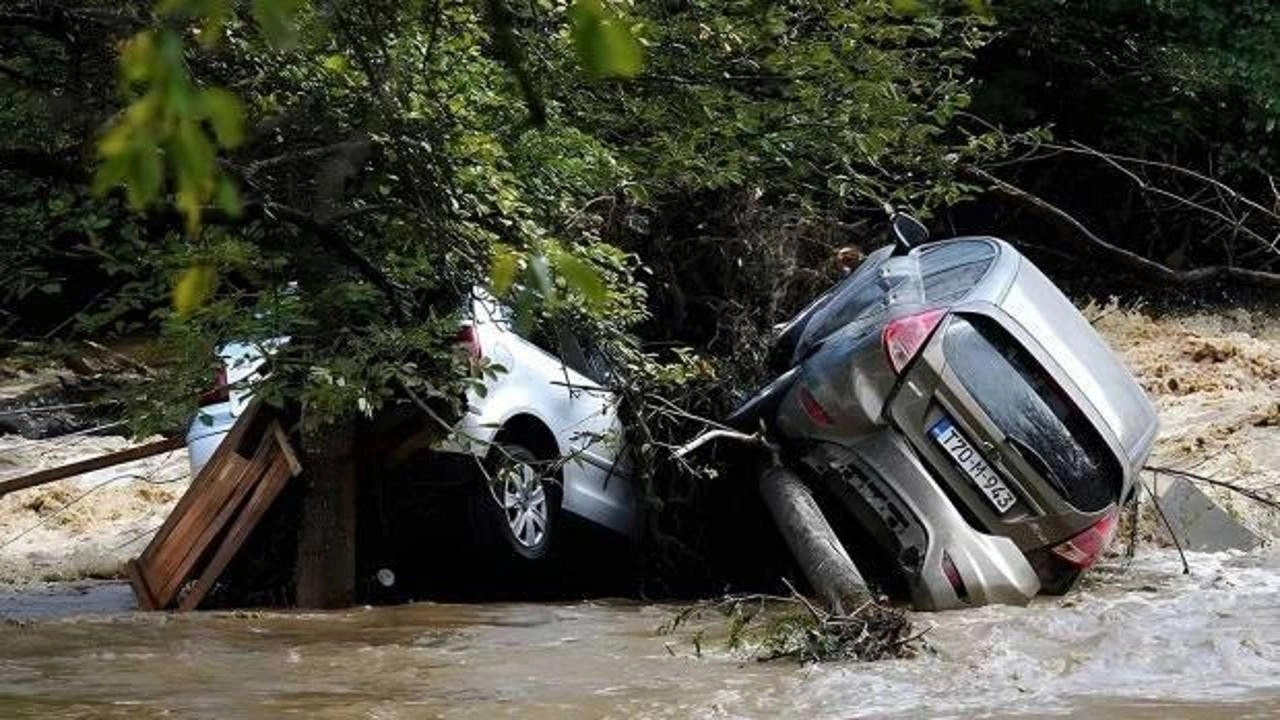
981,375
584,416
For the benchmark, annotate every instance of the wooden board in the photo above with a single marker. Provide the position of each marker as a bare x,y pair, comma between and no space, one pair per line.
264,494
214,517
119,457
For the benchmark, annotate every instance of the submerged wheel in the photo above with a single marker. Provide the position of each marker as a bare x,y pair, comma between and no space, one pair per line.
522,500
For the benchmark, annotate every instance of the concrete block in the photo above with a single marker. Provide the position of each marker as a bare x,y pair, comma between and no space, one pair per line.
1197,521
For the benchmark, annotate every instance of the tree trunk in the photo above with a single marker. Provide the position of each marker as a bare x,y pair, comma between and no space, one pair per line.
830,571
325,575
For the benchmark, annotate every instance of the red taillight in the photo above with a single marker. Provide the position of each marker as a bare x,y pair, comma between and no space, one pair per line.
220,392
468,338
952,573
904,337
1084,549
812,408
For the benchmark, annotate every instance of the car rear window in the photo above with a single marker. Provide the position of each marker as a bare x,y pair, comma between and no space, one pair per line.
1042,422
950,270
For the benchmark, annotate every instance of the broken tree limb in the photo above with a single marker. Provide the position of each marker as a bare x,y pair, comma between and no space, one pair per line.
822,558
119,457
1125,258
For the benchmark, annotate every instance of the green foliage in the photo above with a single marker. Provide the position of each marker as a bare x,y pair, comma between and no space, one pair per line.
166,122
375,159
604,44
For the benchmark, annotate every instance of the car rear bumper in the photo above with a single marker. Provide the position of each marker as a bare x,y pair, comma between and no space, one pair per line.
903,508
206,432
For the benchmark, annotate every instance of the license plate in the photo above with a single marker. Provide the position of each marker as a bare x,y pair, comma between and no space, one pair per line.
971,462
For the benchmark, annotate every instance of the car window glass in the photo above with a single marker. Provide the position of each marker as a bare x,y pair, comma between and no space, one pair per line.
856,297
571,352
539,336
597,366
1043,423
950,270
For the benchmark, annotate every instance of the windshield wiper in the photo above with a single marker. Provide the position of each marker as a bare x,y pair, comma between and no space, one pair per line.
1037,463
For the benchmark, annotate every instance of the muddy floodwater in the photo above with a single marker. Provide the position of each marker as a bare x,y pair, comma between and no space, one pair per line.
1141,640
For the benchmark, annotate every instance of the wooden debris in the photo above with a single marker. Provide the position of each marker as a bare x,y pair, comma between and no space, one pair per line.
215,516
49,475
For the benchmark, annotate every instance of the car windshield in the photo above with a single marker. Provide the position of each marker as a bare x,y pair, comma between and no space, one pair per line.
1042,422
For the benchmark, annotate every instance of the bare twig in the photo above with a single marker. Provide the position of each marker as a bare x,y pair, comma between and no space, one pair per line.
1155,502
1122,257
1246,492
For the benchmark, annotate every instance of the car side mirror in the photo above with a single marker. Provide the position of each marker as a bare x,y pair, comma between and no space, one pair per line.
908,233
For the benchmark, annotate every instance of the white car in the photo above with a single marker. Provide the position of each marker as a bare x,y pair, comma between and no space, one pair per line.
545,432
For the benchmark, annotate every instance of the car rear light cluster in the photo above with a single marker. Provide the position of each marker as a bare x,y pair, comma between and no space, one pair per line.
952,574
903,338
469,339
220,392
1084,549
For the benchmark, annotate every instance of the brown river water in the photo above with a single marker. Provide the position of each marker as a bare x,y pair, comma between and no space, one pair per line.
1139,640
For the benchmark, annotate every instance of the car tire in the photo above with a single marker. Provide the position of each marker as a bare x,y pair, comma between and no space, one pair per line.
518,503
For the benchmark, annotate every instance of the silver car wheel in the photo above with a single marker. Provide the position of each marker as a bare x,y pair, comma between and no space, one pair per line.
524,502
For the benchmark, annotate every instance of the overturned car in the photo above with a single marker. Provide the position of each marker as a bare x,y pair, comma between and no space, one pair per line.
977,429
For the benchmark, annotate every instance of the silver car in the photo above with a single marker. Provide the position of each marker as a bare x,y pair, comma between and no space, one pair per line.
977,428
541,438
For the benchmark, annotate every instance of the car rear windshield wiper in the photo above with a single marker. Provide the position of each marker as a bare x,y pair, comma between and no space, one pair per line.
1037,463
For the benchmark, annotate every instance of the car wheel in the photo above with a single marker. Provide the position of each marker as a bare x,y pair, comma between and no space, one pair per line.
522,500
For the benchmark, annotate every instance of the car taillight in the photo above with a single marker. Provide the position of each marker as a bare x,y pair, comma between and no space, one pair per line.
952,573
1084,549
220,392
903,338
811,408
468,338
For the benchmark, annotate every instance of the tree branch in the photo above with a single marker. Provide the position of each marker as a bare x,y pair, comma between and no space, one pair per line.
1125,258
334,241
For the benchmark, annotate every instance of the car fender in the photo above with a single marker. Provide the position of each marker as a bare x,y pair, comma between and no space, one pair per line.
486,416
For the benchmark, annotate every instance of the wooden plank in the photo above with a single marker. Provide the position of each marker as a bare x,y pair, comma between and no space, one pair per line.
207,520
182,515
63,472
229,448
165,563
277,432
264,495
146,601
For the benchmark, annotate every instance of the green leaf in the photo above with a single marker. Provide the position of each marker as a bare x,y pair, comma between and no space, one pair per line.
582,278
336,64
194,286
275,18
144,174
981,8
503,272
909,8
604,45
226,115
228,197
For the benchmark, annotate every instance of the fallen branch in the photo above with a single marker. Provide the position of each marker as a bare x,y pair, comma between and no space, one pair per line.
1246,492
1125,258
1164,519
806,634
97,463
